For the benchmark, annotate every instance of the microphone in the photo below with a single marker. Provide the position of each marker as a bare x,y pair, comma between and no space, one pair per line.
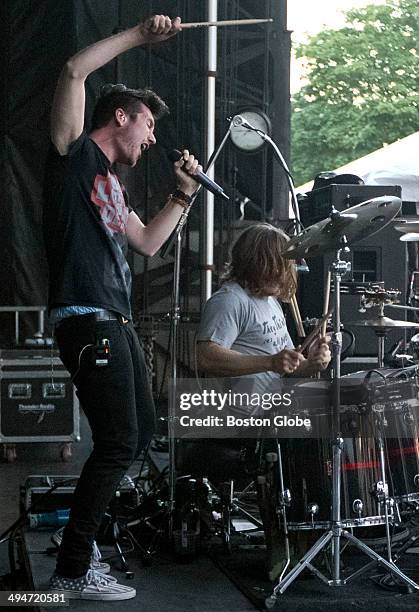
200,177
238,120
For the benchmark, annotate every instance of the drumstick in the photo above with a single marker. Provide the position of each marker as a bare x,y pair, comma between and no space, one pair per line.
228,22
326,301
312,335
295,311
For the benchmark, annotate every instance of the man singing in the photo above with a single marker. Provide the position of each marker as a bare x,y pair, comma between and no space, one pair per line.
88,225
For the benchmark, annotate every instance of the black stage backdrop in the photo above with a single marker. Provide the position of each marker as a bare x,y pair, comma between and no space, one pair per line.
253,70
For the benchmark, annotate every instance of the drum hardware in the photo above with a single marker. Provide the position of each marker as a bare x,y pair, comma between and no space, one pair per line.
381,325
217,512
412,294
380,491
378,297
284,499
402,307
357,507
359,287
312,510
408,418
330,234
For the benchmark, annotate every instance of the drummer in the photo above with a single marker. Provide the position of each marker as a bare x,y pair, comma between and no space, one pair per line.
243,330
243,333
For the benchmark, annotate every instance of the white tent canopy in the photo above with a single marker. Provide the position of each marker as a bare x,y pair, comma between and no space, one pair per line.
394,164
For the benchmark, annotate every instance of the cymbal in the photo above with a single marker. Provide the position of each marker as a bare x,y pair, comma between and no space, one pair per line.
354,224
407,227
410,237
383,323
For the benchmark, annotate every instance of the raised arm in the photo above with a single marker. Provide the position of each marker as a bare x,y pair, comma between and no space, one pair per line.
67,116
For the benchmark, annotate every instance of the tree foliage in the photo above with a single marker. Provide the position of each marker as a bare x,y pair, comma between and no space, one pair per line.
362,91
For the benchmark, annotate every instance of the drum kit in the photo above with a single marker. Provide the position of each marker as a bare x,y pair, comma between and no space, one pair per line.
367,478
366,475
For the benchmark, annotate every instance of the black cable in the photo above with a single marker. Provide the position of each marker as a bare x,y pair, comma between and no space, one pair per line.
145,455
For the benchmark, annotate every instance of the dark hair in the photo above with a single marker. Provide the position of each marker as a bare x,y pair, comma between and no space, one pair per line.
118,96
256,262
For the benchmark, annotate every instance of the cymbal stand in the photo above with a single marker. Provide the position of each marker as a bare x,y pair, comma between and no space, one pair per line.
381,339
336,532
384,486
284,501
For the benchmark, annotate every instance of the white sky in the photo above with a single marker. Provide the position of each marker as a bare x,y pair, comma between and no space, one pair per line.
311,16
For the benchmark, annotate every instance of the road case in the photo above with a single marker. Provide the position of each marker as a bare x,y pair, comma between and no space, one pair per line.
37,398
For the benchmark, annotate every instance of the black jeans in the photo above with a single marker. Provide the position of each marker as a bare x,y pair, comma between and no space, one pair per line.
118,404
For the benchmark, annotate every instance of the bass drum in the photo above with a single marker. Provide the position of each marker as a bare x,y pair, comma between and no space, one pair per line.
307,467
219,460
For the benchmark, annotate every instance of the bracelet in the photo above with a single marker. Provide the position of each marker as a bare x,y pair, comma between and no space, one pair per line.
180,202
178,194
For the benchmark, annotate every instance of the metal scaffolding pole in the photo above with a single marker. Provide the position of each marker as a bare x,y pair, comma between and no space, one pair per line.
207,235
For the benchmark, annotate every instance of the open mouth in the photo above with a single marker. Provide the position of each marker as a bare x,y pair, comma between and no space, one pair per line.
144,146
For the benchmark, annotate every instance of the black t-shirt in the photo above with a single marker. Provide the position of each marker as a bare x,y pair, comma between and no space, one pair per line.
85,218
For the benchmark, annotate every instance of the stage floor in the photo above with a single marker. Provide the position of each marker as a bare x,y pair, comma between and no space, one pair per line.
209,583
165,585
235,583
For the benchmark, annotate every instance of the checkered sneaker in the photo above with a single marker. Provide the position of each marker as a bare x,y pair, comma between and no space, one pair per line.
92,586
95,564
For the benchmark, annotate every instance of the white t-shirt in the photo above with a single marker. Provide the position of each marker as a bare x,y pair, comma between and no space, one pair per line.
248,324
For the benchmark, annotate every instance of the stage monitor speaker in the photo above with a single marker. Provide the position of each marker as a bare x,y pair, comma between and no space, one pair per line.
380,257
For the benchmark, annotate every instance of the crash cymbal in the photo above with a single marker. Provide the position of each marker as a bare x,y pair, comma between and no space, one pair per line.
383,323
407,227
354,224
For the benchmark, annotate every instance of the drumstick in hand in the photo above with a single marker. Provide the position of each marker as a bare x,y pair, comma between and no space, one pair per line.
313,334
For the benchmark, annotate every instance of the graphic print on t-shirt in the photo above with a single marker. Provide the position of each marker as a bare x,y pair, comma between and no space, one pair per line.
274,333
107,195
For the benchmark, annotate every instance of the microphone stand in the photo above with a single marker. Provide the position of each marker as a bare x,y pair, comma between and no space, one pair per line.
176,240
279,156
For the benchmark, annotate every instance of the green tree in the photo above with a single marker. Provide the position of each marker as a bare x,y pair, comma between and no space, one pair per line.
363,89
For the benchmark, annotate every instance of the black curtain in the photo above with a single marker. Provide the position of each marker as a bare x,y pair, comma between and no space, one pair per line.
37,38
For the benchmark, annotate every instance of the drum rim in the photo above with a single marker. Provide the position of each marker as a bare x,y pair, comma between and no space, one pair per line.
365,521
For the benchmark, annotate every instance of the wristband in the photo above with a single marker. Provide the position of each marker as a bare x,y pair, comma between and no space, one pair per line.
178,194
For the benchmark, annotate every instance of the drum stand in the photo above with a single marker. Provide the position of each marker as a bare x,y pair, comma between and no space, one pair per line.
336,533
